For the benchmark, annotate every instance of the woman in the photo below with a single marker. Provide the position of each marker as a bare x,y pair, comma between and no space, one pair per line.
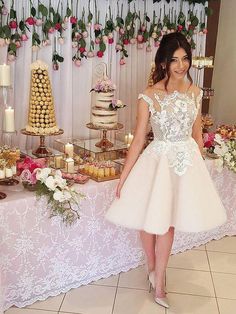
168,186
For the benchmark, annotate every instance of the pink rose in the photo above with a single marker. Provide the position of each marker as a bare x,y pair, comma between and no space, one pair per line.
90,54
51,30
24,37
100,54
18,44
11,57
110,41
126,41
179,28
39,22
82,49
97,27
205,31
55,66
73,20
4,10
77,62
97,40
157,44
143,28
13,24
140,38
118,47
122,31
57,26
122,61
30,20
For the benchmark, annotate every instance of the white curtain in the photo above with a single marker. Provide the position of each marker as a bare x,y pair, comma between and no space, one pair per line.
71,85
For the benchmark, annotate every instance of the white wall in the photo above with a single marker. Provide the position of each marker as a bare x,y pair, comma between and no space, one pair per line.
223,104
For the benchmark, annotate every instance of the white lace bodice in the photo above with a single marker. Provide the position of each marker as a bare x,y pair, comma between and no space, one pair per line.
172,117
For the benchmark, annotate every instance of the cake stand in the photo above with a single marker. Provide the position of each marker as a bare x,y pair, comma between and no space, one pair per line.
104,143
42,150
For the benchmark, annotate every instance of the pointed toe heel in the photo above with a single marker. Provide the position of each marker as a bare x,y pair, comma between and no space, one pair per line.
162,301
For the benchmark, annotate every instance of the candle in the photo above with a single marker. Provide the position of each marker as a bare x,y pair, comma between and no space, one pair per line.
13,169
58,161
5,78
9,173
2,173
128,139
70,165
9,120
69,149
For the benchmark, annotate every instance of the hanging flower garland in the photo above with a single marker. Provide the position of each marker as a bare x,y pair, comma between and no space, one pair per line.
89,35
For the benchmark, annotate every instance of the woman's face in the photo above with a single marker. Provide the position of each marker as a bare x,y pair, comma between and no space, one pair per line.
179,64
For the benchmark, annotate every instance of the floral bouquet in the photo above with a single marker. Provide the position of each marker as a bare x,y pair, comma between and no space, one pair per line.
105,85
62,199
226,150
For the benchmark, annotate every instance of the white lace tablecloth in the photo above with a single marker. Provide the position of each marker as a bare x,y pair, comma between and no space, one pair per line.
40,257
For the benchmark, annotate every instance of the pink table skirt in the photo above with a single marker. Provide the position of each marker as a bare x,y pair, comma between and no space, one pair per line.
40,257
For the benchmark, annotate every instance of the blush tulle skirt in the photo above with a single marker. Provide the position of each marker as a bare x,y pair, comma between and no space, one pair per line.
154,197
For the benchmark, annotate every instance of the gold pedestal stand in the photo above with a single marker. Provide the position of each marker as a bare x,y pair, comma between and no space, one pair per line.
42,150
104,143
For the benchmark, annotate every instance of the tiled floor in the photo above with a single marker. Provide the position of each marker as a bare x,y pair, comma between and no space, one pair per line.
200,281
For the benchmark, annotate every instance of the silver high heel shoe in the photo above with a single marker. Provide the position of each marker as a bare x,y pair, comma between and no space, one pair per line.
151,278
162,301
152,285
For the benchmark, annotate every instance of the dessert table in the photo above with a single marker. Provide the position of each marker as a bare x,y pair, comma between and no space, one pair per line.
41,257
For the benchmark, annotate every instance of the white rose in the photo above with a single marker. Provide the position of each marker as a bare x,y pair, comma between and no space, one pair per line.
42,174
51,183
58,196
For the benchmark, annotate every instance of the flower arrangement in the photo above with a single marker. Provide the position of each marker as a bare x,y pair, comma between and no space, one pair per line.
222,148
226,150
44,21
104,85
116,104
62,200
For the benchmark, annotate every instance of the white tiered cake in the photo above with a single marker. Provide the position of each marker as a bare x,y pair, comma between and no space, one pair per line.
104,113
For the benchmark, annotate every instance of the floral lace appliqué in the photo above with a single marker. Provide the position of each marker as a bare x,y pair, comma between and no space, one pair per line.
172,128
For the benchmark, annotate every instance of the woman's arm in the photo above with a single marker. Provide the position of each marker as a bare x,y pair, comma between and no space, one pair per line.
197,132
137,143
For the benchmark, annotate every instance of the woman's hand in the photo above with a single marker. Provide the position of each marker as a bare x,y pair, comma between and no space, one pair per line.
119,187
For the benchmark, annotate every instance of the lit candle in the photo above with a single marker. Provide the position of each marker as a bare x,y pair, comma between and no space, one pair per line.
70,165
9,120
5,79
128,139
69,149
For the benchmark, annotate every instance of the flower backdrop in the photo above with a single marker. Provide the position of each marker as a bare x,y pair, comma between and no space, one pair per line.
74,36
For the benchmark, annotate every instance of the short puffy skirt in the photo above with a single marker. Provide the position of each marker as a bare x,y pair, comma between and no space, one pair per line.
154,198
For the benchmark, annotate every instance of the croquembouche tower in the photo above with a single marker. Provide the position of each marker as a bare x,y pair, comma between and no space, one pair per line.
41,115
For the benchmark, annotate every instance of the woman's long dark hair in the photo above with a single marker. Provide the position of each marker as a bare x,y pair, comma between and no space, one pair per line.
168,45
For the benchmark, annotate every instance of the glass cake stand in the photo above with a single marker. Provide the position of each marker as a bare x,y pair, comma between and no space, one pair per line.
42,150
104,143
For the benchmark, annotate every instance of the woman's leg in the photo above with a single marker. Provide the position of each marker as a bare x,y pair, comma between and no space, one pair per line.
148,242
163,248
